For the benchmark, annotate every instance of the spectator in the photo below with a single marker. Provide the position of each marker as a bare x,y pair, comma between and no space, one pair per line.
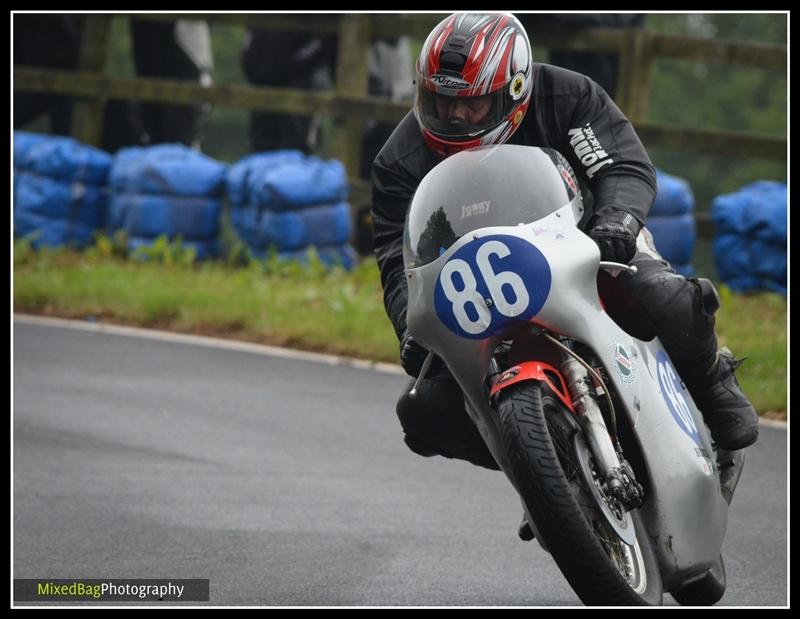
52,42
299,60
180,49
287,60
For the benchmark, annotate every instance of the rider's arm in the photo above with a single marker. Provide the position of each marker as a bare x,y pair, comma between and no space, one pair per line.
396,173
391,195
603,148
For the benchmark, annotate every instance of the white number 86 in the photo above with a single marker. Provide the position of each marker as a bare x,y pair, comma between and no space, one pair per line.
494,282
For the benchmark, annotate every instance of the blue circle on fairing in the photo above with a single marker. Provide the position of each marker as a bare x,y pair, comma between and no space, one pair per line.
673,390
513,263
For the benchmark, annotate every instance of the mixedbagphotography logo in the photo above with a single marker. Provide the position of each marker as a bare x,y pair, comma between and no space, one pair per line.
97,589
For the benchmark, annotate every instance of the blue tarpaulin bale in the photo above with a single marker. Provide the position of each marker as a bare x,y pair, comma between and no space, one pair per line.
757,209
671,222
238,178
751,233
23,141
673,197
167,169
150,215
766,219
55,199
288,230
59,184
61,158
771,260
732,255
286,201
674,237
749,266
168,190
48,232
296,184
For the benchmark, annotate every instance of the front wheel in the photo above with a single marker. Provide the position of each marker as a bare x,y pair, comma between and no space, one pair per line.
539,435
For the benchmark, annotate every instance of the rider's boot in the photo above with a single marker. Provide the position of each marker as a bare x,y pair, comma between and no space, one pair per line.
727,412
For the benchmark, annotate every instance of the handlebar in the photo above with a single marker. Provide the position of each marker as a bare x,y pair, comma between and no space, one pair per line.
618,266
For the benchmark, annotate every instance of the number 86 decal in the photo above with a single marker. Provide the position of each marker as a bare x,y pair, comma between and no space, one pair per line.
489,282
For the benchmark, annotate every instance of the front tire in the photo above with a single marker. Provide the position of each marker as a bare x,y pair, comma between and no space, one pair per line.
538,433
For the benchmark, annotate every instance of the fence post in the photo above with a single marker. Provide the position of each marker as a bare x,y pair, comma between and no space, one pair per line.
635,62
352,78
87,114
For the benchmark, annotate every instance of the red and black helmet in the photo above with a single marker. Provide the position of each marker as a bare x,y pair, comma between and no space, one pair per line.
471,58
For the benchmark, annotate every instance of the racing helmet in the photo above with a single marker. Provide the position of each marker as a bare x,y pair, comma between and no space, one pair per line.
476,62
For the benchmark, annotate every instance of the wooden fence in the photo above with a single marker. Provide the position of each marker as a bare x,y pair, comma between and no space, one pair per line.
349,104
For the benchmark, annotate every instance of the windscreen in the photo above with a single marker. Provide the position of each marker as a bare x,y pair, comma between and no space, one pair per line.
501,185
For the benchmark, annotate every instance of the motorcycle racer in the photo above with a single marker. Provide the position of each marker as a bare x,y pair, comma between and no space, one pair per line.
477,84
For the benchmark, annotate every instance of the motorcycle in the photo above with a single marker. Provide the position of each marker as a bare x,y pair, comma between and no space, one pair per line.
619,479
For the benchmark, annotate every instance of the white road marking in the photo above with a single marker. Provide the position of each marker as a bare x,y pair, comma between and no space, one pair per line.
212,342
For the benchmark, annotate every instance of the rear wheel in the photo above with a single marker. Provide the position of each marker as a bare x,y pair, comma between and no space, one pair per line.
552,472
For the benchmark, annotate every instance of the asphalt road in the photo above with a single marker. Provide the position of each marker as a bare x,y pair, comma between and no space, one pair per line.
286,482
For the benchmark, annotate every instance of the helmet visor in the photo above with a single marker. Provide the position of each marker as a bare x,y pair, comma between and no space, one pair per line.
454,118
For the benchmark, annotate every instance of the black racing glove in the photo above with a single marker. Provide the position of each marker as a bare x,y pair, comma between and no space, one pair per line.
615,233
412,356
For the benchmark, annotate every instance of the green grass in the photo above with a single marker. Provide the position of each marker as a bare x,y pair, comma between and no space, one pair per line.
755,326
271,302
310,308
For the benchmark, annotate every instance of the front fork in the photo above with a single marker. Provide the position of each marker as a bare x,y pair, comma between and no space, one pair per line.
615,473
590,416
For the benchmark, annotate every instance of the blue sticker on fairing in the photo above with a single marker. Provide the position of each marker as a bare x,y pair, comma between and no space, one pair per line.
490,282
672,390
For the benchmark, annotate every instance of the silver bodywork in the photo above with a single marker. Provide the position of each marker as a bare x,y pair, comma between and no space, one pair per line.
684,510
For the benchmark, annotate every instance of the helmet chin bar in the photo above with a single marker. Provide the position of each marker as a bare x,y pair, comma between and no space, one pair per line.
459,126
445,147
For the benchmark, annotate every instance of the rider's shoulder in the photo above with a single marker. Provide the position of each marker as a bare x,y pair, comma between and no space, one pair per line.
404,145
552,81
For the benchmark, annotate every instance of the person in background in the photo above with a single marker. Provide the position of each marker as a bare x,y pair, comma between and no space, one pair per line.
51,42
299,60
179,49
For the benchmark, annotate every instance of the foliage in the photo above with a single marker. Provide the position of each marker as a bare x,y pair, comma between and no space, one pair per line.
719,97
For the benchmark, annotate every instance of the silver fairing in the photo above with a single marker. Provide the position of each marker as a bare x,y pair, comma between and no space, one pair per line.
684,510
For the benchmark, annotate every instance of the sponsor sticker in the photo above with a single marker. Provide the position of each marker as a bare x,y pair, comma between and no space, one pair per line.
588,149
623,363
479,208
447,81
517,87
